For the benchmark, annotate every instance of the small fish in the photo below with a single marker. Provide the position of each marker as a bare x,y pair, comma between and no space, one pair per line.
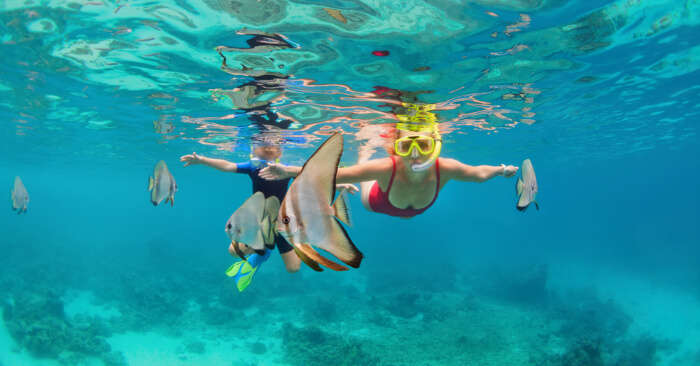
162,185
526,186
337,14
380,53
253,223
308,216
19,196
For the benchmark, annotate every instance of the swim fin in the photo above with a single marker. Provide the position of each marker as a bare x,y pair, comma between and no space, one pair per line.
244,270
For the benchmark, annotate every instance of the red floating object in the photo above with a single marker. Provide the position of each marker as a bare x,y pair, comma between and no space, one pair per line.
380,53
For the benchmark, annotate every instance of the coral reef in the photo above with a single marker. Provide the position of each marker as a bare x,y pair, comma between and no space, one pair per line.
311,346
39,324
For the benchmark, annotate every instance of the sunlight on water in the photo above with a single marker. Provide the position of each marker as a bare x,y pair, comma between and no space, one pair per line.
602,95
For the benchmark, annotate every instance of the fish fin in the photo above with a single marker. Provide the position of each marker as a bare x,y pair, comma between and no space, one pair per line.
238,250
260,251
519,186
150,183
272,207
313,265
271,243
172,201
330,141
537,206
315,256
521,208
259,242
342,246
272,233
341,209
265,229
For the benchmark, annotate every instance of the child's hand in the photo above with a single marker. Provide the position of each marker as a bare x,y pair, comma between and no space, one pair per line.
190,159
350,188
273,171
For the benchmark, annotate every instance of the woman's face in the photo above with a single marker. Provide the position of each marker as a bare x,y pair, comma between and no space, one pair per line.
415,157
268,152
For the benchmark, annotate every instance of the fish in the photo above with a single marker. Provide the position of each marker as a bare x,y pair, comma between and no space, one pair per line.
337,14
309,216
162,185
526,186
253,223
19,197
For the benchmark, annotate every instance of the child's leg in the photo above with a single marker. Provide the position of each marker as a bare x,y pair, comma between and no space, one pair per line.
290,259
242,247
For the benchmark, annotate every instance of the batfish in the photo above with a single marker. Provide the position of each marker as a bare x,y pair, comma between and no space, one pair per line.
162,185
253,223
526,186
19,196
308,216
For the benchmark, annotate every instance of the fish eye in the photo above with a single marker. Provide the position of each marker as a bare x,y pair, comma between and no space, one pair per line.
229,226
285,220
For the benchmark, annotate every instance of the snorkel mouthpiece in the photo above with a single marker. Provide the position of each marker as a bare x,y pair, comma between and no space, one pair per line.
428,163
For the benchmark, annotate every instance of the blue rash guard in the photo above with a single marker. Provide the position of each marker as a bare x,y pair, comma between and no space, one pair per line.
277,188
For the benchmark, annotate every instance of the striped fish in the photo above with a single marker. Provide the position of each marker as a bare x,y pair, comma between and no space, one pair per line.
162,185
19,197
309,217
526,186
252,224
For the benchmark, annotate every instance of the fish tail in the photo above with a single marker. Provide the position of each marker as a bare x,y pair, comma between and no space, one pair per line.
315,256
343,247
304,258
519,186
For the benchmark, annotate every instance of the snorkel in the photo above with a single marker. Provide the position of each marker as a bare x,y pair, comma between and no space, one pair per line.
433,157
420,119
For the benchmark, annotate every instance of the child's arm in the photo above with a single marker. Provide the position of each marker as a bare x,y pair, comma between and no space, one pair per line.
220,164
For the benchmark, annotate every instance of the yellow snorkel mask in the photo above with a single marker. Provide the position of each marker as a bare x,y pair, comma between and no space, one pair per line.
419,119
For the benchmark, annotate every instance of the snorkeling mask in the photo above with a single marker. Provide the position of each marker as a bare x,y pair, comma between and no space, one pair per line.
425,145
420,119
258,162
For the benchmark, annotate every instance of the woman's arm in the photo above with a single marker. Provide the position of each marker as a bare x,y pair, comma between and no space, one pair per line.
367,171
453,169
220,164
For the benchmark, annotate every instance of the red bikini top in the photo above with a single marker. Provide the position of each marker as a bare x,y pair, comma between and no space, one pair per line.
379,200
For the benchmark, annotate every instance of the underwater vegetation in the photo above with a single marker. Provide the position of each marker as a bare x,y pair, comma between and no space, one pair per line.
456,317
312,346
39,324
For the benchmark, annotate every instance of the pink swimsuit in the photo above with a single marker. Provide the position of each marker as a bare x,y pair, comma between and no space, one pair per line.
379,201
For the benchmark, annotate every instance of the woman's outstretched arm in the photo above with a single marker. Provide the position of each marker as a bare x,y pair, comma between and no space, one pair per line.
454,169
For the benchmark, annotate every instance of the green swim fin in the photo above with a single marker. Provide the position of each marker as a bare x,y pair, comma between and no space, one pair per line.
243,271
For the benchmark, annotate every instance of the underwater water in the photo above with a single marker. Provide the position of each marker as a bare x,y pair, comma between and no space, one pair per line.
602,96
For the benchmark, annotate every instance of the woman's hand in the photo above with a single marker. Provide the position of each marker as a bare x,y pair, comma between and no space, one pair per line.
350,188
274,171
509,170
190,159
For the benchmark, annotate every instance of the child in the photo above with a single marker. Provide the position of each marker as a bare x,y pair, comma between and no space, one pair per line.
263,153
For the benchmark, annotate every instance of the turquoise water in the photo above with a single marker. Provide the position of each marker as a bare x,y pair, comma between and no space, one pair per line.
601,95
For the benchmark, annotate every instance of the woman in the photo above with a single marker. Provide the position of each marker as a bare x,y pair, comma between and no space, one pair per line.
408,182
